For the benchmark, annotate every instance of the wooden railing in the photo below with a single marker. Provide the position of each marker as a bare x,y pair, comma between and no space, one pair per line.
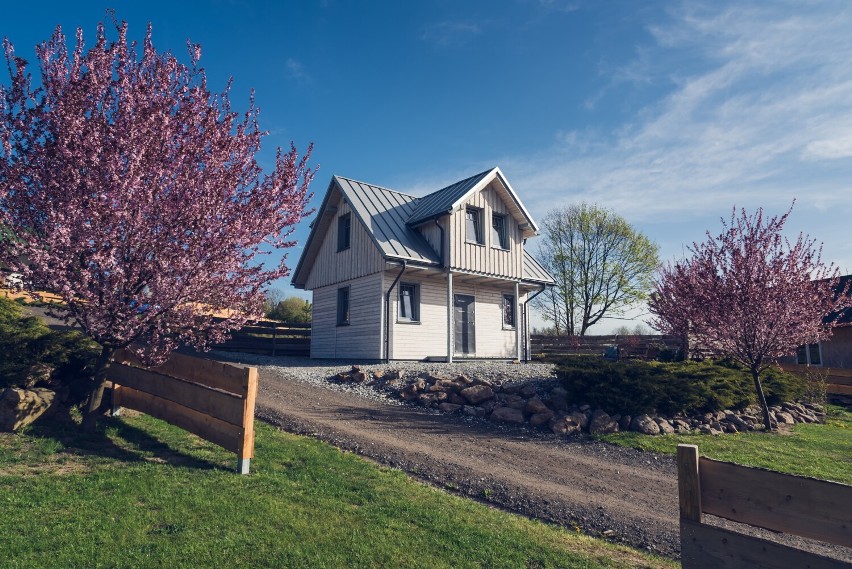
805,507
214,400
270,338
838,381
630,346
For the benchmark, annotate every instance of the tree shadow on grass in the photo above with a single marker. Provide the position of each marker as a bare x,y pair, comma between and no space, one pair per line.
115,441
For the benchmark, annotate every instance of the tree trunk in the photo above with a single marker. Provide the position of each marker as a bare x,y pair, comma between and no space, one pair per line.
767,421
96,396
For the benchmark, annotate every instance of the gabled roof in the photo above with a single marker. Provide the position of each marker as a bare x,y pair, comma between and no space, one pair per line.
390,218
844,318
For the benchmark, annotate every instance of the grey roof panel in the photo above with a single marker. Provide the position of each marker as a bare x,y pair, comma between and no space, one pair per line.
441,202
385,213
533,271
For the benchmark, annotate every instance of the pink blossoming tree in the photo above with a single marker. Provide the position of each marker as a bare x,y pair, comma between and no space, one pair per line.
749,294
133,193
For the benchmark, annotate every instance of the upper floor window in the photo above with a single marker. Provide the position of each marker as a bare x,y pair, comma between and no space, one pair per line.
343,306
508,310
409,303
809,354
344,230
498,231
473,228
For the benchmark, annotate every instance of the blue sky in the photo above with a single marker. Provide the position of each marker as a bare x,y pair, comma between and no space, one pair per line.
669,113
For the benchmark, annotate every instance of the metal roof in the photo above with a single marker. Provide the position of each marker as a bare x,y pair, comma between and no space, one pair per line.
441,202
385,214
533,271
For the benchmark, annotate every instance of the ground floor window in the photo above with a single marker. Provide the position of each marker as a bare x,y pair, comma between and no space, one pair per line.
343,306
509,310
809,354
409,303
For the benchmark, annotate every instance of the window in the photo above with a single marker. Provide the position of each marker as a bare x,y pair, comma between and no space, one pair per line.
473,232
343,306
498,231
344,228
809,355
409,303
508,310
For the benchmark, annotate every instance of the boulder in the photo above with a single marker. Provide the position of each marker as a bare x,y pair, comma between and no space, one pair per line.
539,419
477,393
666,428
507,415
20,407
783,417
463,380
563,426
624,422
473,411
358,376
536,406
456,399
409,392
528,391
602,423
559,399
645,425
449,407
515,402
579,419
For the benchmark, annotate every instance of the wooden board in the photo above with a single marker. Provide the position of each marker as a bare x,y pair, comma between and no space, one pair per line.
228,436
246,448
688,482
218,375
791,504
219,404
708,547
835,389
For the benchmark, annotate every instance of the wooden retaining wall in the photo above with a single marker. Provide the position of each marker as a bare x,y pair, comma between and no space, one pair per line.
838,381
632,346
806,507
212,399
270,338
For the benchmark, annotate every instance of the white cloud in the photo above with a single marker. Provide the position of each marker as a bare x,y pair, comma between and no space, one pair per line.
297,71
450,34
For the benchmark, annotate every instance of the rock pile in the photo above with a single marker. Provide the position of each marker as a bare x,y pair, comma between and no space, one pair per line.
550,408
20,407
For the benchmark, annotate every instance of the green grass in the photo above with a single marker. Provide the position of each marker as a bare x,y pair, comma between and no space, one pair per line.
145,494
820,451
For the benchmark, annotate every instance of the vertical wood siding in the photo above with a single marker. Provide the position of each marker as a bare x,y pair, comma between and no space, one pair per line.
362,257
488,258
361,339
433,236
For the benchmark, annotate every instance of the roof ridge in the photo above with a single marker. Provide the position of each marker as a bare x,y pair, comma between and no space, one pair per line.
460,181
377,187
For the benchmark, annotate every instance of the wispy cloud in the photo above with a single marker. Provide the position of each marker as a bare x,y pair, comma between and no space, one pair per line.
761,114
450,34
296,71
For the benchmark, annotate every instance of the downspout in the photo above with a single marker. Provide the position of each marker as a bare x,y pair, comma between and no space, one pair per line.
526,317
387,311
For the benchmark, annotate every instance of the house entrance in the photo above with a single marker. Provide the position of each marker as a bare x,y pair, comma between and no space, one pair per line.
464,324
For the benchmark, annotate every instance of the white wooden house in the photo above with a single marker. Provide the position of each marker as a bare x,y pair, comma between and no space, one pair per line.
403,278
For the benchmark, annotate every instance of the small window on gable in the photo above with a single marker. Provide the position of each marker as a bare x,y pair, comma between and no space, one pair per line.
409,303
343,306
508,310
473,228
498,231
344,231
809,354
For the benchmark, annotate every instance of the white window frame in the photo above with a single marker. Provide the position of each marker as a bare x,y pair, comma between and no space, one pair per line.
501,235
414,317
807,348
479,232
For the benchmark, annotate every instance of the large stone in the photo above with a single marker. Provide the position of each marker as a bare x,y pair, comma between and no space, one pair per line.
515,402
359,376
536,406
20,407
559,399
666,428
624,422
602,423
528,391
507,415
541,418
579,419
645,425
477,394
449,407
457,399
783,417
564,426
444,385
409,392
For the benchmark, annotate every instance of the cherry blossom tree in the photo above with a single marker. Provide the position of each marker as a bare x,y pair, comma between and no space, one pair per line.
750,294
135,195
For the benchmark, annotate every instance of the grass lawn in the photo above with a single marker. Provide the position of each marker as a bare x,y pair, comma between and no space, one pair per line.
820,451
145,494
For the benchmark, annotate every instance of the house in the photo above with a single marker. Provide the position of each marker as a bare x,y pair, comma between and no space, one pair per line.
836,352
444,276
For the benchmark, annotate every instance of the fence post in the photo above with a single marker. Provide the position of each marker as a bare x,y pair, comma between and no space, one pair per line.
688,482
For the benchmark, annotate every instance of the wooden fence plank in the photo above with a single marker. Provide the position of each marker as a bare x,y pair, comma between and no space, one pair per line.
225,406
219,432
709,547
838,389
688,482
781,502
226,377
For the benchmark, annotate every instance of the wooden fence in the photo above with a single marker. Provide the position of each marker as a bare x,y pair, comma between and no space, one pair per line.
633,346
214,400
805,507
838,381
270,338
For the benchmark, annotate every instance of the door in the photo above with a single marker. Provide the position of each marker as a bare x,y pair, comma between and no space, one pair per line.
464,324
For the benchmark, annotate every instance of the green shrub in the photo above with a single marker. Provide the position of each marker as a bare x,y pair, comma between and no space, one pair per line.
26,342
635,387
